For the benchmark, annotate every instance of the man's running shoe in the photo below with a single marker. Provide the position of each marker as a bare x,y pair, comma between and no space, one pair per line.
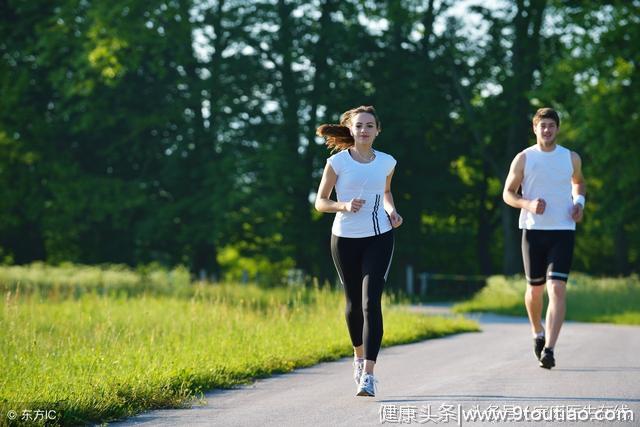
547,361
367,386
538,345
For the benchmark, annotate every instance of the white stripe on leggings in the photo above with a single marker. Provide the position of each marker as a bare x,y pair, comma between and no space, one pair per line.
339,272
390,258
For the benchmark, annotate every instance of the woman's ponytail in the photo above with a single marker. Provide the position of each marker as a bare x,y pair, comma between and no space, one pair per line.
337,137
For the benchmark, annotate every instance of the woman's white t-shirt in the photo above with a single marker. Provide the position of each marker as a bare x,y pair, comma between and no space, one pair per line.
361,181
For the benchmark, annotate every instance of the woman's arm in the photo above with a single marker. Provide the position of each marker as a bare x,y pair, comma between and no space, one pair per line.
389,205
324,203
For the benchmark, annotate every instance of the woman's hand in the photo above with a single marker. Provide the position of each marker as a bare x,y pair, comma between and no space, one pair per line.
396,219
354,205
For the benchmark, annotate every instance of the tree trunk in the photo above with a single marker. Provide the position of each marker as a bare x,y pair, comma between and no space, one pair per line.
294,170
483,238
317,97
621,244
526,57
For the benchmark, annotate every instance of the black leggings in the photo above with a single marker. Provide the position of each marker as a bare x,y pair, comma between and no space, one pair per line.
363,265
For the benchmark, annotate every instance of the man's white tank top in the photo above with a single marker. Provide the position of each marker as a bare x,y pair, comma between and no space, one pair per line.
547,175
361,181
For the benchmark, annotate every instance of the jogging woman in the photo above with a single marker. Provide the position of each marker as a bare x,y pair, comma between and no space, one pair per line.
362,233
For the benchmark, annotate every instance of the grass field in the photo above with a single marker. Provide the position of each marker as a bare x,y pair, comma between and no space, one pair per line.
99,343
589,299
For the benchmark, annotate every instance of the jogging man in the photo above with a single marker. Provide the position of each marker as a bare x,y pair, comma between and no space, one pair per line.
551,204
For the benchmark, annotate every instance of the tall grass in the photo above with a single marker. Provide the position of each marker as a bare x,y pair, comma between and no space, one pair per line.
98,355
589,299
69,280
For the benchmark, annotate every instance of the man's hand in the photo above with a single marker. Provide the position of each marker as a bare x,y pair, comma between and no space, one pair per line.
576,212
536,206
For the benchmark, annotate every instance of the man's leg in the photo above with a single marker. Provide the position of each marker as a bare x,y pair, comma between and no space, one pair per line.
535,266
533,300
557,290
560,258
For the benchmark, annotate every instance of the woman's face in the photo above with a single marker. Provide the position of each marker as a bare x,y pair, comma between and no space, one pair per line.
363,128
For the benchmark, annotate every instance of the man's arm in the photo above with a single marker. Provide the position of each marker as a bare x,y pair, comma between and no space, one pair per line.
512,184
578,188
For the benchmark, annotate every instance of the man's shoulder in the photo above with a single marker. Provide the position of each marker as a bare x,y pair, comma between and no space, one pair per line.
521,156
575,157
573,152
530,149
565,149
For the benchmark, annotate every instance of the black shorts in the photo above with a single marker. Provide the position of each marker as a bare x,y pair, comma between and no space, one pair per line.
547,255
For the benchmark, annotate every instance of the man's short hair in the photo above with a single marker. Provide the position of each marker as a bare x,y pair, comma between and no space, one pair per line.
546,113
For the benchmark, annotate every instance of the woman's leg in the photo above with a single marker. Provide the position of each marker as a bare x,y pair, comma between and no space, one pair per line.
347,257
375,268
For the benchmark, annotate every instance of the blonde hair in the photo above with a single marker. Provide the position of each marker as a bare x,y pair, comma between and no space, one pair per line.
337,136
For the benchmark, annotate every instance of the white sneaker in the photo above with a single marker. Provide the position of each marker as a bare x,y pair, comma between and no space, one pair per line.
358,369
367,386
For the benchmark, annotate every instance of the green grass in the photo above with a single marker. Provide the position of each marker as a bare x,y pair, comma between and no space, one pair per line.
98,355
589,299
68,280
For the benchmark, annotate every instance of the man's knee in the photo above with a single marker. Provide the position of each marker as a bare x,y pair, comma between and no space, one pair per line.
535,291
556,289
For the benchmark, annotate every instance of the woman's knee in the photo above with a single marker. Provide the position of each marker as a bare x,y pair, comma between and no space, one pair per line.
372,306
351,307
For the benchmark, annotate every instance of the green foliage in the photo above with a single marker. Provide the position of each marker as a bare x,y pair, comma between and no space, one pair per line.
502,294
589,299
593,77
133,132
69,280
257,268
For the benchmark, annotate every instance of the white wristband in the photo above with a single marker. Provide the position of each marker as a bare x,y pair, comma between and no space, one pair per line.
578,200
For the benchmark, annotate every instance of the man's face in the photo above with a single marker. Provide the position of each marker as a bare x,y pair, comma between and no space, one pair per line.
546,131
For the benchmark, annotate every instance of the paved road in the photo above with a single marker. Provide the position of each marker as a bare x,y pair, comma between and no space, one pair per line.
597,367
